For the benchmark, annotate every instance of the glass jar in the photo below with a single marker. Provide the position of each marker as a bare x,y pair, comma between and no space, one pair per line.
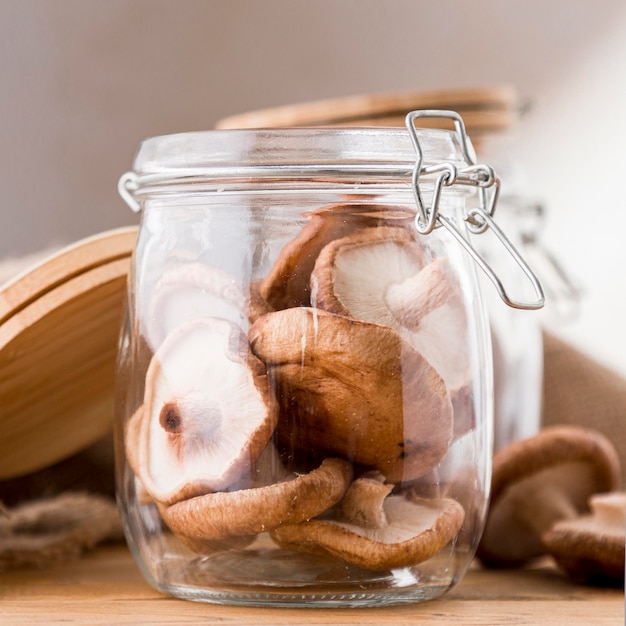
305,380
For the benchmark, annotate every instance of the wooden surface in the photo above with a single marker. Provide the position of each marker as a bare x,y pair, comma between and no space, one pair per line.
105,587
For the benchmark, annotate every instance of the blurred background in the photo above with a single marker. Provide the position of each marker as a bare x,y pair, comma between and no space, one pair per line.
84,81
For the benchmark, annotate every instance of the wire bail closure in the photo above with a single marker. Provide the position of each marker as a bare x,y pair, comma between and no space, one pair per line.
126,185
479,219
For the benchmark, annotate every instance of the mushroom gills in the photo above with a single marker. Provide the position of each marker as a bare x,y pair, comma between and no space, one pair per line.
189,292
288,283
383,276
207,413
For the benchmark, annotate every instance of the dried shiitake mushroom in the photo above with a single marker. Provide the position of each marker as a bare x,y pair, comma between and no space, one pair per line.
376,530
382,275
353,389
540,481
288,283
590,548
207,413
247,512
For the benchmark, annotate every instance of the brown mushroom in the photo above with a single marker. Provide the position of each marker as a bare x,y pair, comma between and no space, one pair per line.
353,389
207,413
287,285
540,481
375,530
590,548
382,275
193,291
247,512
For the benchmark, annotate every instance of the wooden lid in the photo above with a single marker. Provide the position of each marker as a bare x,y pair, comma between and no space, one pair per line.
63,265
59,329
483,108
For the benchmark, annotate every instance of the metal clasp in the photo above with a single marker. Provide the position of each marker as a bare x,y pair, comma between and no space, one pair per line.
126,185
479,219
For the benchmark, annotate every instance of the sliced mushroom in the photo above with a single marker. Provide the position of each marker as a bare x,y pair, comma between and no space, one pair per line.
287,285
193,291
382,275
219,516
590,548
207,413
540,481
353,389
377,531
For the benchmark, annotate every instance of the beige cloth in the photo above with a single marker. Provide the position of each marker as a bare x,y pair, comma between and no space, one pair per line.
43,531
582,392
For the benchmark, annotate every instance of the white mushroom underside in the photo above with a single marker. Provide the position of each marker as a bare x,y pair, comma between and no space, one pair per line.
362,274
405,520
190,292
220,408
185,305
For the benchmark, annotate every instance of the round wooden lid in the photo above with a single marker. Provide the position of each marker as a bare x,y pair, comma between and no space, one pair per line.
494,107
58,348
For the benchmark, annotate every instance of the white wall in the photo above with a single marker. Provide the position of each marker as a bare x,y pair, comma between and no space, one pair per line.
83,81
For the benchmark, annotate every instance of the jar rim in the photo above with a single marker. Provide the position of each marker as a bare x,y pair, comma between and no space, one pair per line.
290,151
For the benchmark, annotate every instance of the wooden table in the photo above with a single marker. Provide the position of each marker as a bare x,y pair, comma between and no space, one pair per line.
105,587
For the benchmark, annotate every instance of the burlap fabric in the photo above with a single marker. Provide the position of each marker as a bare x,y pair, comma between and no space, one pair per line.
578,390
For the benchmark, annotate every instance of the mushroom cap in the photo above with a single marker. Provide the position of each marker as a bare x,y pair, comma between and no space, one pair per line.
383,275
245,512
416,530
192,291
539,481
207,413
590,548
353,389
287,285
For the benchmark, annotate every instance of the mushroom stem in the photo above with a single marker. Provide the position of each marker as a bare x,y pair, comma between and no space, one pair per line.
363,503
414,298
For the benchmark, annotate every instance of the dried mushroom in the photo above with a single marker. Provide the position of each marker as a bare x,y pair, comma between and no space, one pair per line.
353,389
381,275
540,481
590,548
288,283
376,530
207,413
247,512
193,291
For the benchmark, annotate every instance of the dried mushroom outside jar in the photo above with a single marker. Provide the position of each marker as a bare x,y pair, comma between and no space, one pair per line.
304,377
